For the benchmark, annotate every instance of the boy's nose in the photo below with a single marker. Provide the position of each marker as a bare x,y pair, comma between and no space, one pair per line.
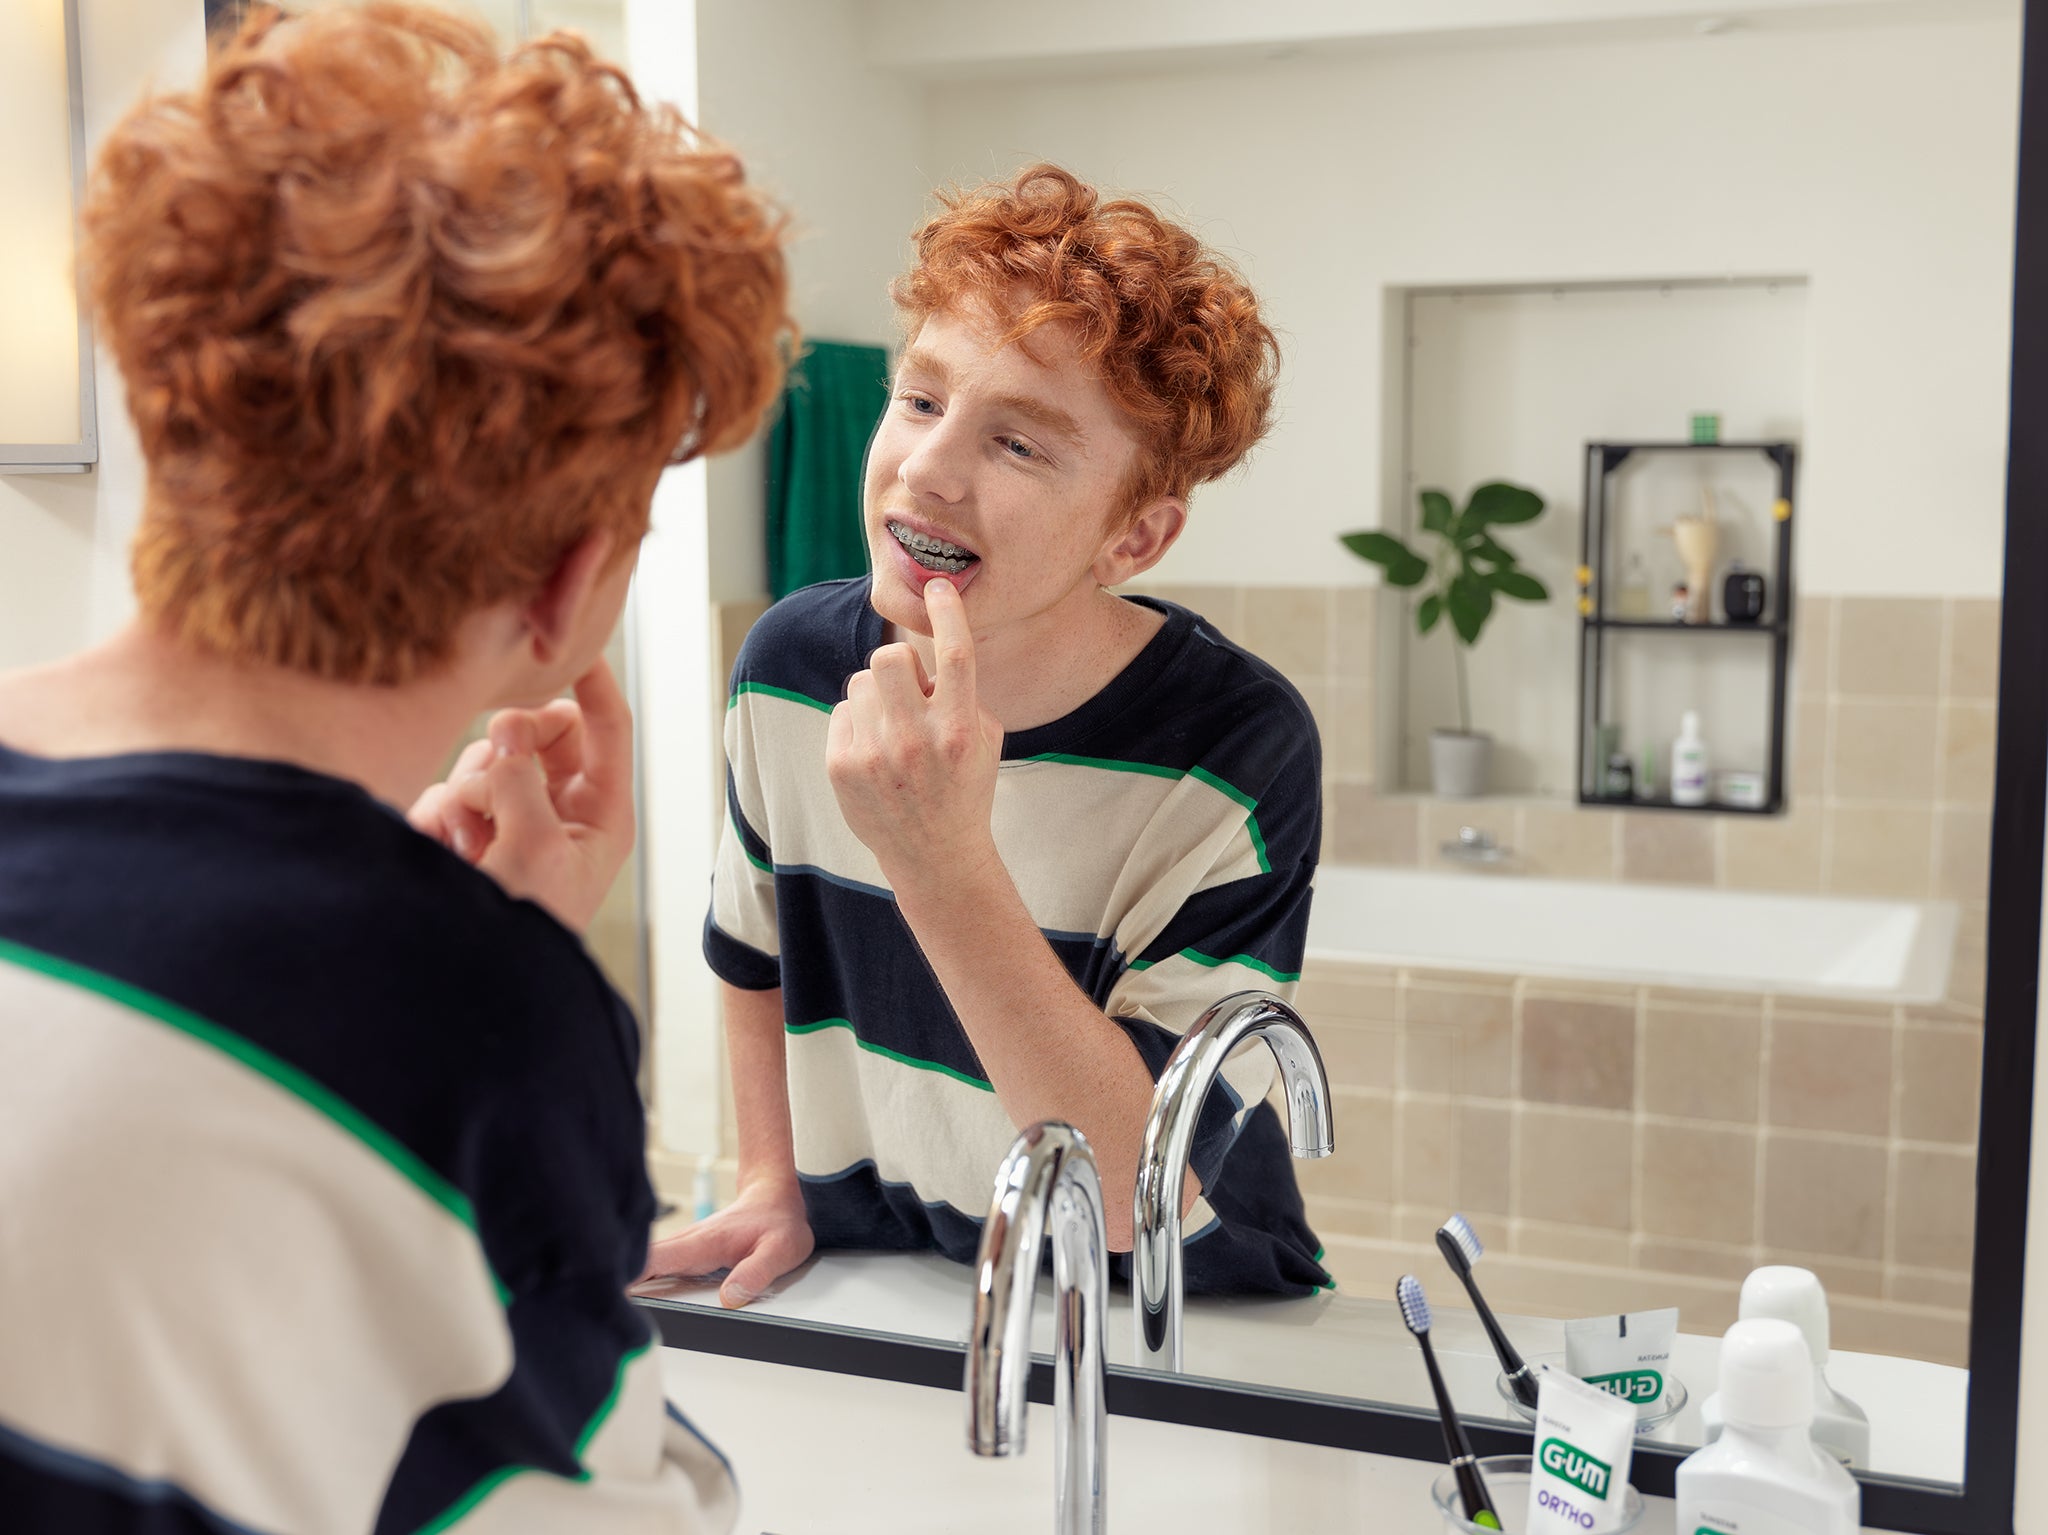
936,466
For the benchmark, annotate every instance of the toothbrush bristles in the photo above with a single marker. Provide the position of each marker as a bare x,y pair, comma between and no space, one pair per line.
1459,1230
1414,1307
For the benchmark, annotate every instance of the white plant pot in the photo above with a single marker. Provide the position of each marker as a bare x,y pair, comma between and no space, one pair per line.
1458,763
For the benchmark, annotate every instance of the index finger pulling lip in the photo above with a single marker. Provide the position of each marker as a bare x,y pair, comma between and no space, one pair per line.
951,636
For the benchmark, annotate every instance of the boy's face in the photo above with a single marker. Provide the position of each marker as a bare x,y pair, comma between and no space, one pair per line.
1007,469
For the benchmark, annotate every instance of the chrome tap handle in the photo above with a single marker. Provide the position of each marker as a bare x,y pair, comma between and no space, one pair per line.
1048,1178
1192,1069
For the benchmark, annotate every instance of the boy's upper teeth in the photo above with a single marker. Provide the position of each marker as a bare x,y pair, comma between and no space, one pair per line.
924,543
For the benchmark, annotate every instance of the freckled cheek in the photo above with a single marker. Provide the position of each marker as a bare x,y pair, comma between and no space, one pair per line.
885,459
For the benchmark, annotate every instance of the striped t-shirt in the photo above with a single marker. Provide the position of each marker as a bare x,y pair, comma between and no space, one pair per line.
1164,837
321,1178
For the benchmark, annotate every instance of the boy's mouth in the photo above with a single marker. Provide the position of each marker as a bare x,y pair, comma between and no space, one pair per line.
934,554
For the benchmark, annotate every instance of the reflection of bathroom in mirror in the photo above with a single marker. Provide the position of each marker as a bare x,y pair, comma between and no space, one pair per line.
1644,1050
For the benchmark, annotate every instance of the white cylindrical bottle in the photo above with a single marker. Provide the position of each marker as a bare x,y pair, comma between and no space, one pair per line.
1764,1476
1689,763
1795,1295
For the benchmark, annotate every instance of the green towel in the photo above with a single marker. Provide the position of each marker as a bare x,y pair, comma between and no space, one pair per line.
816,453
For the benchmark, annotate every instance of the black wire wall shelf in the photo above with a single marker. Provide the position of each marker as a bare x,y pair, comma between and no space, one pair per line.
1599,629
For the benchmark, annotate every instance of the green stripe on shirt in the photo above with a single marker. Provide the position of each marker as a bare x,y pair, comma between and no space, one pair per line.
782,693
463,1506
1199,774
1211,962
313,1094
885,1052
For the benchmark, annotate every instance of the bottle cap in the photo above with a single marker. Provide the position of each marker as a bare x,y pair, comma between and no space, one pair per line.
1689,727
1766,1375
1792,1295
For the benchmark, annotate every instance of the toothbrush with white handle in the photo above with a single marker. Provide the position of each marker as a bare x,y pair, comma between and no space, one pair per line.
1464,1464
1459,1244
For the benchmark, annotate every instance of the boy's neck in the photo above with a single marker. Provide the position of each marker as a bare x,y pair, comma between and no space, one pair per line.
1031,675
141,692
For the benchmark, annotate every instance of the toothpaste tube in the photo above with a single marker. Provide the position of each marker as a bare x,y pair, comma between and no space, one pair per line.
1584,1438
1626,1356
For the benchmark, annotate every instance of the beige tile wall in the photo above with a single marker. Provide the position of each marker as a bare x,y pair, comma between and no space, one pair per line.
1630,1146
1892,723
1891,730
1642,1146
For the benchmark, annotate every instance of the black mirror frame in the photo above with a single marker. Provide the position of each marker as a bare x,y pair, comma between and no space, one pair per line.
1984,1503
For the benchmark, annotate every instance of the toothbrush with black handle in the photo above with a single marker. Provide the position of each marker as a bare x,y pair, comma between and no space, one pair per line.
1464,1464
1459,1244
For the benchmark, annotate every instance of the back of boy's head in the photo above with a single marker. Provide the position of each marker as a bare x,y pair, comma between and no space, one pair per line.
403,318
1172,329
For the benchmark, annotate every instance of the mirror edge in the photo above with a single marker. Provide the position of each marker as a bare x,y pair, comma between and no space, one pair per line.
1984,1503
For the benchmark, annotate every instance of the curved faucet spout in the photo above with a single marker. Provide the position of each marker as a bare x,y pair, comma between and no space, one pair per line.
1048,1178
1156,1280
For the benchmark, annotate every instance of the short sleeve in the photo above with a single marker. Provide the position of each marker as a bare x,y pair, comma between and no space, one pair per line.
741,943
1244,927
580,1435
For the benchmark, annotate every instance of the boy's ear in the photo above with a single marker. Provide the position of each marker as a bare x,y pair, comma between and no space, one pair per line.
553,614
1143,543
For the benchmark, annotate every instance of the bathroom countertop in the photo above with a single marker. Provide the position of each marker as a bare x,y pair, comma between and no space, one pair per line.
1347,1346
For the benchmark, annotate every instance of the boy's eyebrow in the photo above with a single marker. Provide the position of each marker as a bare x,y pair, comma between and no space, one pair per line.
1044,412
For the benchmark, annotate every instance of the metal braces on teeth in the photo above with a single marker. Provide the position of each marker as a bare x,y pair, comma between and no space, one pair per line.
938,548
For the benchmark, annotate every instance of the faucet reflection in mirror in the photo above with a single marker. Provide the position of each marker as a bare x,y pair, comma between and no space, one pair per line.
1156,1279
1048,1176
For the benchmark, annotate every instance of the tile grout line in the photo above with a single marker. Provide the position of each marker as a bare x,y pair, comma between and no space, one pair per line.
1639,1131
1891,1168
1758,1226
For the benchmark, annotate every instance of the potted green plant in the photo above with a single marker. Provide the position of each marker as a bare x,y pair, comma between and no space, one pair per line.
1465,568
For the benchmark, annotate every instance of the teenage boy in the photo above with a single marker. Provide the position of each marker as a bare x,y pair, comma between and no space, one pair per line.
997,836
321,1153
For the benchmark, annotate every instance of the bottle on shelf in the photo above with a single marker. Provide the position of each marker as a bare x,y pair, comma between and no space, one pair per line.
1689,763
1633,601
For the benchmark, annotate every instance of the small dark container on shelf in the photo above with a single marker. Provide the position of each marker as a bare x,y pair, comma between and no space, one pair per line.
1742,594
1621,777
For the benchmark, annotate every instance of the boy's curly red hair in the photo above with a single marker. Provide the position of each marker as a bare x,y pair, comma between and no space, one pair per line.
403,318
1172,328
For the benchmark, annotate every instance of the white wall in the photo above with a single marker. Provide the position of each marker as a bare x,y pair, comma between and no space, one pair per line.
985,40
64,538
843,147
1877,162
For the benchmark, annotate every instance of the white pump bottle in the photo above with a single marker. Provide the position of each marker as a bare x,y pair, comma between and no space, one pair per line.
1764,1475
1795,1295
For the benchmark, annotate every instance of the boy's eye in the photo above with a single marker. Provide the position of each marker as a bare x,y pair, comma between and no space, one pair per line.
920,405
1018,449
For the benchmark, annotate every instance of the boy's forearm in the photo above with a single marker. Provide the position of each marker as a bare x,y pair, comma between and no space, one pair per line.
1049,1051
757,1057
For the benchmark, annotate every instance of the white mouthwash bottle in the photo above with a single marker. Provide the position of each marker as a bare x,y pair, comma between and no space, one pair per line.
1764,1476
1689,763
1839,1426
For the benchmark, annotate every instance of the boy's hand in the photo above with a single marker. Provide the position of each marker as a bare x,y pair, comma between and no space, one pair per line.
545,805
760,1236
913,759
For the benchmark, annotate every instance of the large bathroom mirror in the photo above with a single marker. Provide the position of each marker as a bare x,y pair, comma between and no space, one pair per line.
1755,268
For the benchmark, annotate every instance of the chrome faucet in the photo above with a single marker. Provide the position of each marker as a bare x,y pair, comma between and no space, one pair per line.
1474,845
1049,1174
1156,1278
